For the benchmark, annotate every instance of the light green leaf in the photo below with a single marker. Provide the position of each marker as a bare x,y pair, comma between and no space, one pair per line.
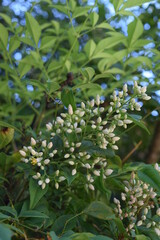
105,26
47,42
130,3
6,136
99,210
7,125
6,18
80,11
53,66
61,8
142,237
13,44
4,36
23,68
94,18
109,42
36,193
33,28
117,4
126,13
89,48
135,30
88,73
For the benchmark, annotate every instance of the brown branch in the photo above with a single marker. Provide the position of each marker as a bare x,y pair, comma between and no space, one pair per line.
131,152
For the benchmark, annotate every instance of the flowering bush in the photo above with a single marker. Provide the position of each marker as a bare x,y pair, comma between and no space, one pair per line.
64,144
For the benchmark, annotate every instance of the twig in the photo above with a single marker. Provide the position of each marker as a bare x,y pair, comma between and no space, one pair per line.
131,152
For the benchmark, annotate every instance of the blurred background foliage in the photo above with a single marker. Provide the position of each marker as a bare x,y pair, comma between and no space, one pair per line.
90,46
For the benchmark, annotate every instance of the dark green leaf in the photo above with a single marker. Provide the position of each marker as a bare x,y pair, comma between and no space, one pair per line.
99,210
36,193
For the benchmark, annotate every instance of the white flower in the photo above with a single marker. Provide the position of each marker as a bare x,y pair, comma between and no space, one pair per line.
87,165
139,223
43,185
91,187
96,172
93,126
55,151
50,145
44,143
74,171
56,185
40,182
114,147
47,180
158,212
33,152
57,172
125,89
97,100
127,121
49,126
61,178
99,120
69,130
33,141
115,139
108,172
82,105
23,153
72,149
46,161
78,144
157,230
92,103
70,109
66,155
71,163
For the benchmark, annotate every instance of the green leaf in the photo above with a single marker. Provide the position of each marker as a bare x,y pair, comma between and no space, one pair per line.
99,237
47,42
105,26
67,98
151,176
36,193
4,216
61,8
4,36
9,210
53,235
54,66
80,11
5,232
117,4
94,18
88,86
89,48
23,68
130,3
142,237
110,42
32,214
81,236
65,220
137,121
88,73
135,30
99,210
6,18
7,125
6,136
33,28
13,44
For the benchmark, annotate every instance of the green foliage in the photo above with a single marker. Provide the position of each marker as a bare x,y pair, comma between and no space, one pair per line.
68,53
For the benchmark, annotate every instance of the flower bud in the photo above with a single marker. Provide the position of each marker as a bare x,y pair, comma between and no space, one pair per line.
74,171
33,141
23,153
70,109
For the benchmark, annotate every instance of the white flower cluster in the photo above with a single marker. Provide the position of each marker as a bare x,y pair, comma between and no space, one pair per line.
137,202
73,128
